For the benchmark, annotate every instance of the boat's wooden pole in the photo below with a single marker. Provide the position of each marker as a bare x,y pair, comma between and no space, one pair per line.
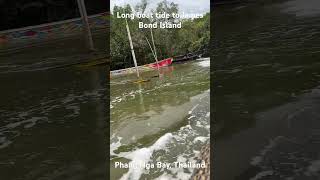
154,56
151,49
154,48
85,22
132,50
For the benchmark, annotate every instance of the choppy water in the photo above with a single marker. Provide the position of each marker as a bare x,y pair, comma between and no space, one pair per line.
267,79
164,120
52,121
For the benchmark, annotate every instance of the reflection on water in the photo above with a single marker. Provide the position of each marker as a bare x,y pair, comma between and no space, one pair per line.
163,120
267,74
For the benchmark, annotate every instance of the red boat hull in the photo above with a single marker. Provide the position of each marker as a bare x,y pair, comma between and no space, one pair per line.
162,63
143,68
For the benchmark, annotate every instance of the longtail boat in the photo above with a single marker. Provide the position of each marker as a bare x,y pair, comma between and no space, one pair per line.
143,68
148,67
186,57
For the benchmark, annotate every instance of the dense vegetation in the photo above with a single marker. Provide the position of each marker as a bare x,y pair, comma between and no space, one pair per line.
193,36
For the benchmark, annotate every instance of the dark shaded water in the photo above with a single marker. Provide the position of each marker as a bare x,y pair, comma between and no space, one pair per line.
267,91
52,121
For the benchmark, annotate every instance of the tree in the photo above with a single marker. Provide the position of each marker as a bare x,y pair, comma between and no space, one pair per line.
193,36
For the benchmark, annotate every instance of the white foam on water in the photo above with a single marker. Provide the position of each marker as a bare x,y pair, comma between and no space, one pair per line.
4,142
258,159
262,174
179,176
204,63
18,121
187,139
263,161
204,58
199,124
164,176
115,145
124,96
27,123
201,139
69,98
117,99
181,173
193,108
143,155
181,159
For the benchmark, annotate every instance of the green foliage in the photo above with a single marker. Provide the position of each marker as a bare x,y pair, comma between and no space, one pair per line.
193,36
